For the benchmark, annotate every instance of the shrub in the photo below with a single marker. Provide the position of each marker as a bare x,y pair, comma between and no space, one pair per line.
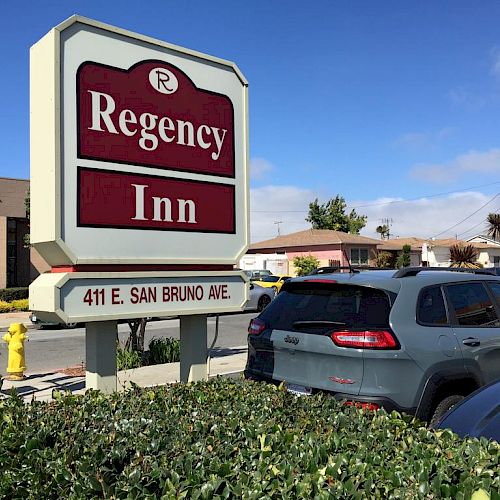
228,438
164,350
20,305
10,294
305,264
127,359
5,306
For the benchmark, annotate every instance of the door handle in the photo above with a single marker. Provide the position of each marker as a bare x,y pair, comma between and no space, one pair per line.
471,342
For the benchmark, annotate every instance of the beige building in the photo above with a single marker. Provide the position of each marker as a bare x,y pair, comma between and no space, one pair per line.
19,265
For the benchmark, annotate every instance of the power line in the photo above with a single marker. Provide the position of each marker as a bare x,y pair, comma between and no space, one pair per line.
385,202
468,217
476,225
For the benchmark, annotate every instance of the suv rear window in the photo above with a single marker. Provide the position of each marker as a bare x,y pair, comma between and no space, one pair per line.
353,307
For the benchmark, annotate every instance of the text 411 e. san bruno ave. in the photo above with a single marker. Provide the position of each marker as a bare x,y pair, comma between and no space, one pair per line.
155,294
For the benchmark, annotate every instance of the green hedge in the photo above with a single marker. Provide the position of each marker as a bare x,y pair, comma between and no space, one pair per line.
230,439
10,294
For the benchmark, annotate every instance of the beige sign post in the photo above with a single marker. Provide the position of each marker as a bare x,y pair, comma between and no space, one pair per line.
139,186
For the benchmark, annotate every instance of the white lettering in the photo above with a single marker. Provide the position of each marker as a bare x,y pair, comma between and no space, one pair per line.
218,141
98,113
199,136
158,203
153,127
139,201
126,117
180,137
182,211
162,128
148,122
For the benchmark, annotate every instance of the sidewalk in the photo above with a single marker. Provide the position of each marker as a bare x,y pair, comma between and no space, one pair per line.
6,319
38,386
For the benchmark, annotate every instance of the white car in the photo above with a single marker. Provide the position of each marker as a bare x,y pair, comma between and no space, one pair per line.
260,298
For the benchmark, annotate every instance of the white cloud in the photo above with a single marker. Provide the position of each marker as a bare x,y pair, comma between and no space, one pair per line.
424,140
259,167
424,218
427,217
495,62
285,204
467,97
472,162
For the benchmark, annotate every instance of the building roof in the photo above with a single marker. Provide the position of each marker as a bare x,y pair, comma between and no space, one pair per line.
448,242
483,239
398,243
313,237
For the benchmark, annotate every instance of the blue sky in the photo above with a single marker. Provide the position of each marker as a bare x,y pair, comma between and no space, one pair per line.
394,105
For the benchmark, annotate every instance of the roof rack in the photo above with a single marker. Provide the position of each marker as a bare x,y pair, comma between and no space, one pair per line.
351,269
332,269
413,271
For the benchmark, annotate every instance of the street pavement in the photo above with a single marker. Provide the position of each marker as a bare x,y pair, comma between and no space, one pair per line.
225,360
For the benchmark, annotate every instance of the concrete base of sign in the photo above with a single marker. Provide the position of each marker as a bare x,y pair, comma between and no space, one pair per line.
193,336
100,349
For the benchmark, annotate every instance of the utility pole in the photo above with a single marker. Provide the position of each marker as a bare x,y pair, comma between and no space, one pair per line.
278,222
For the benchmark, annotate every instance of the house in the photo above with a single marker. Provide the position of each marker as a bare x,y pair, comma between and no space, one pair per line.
436,253
19,265
395,247
489,250
331,248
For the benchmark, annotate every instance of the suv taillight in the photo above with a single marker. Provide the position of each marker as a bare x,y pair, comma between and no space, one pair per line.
256,326
369,339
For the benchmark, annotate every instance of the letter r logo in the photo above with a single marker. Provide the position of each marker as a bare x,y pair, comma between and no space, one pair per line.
163,80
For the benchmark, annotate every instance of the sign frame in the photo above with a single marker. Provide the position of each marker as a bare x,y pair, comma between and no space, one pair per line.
47,152
46,293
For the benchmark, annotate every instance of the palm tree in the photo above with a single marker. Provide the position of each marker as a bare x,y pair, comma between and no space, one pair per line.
494,226
383,231
464,256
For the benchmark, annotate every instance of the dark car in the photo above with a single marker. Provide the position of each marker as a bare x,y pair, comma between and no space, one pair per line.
478,415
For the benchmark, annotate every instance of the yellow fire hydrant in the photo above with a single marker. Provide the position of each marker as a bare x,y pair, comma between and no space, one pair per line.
15,338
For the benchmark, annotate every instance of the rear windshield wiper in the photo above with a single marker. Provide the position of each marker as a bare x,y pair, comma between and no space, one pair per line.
318,323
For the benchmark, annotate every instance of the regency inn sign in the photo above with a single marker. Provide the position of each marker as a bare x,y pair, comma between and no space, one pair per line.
139,181
143,159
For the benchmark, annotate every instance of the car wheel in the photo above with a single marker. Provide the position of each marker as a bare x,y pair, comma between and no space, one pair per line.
444,406
70,325
264,301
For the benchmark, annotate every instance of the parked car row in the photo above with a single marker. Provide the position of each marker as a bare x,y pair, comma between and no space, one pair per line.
415,340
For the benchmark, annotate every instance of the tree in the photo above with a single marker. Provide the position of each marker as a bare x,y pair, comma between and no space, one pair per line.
464,256
494,226
383,231
331,215
305,264
384,259
404,259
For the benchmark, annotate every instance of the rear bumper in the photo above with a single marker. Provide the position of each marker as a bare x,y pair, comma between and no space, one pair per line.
386,403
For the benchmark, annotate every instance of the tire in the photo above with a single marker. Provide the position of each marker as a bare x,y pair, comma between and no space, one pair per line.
446,404
264,301
70,326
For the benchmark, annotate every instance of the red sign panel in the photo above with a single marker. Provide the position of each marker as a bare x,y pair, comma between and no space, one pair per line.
133,201
152,114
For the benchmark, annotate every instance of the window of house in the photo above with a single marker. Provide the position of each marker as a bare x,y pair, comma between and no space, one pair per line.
472,305
333,263
359,256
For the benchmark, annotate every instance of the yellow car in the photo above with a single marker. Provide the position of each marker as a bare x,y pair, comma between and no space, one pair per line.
272,281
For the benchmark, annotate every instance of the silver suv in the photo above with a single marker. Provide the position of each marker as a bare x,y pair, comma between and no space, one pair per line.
415,340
